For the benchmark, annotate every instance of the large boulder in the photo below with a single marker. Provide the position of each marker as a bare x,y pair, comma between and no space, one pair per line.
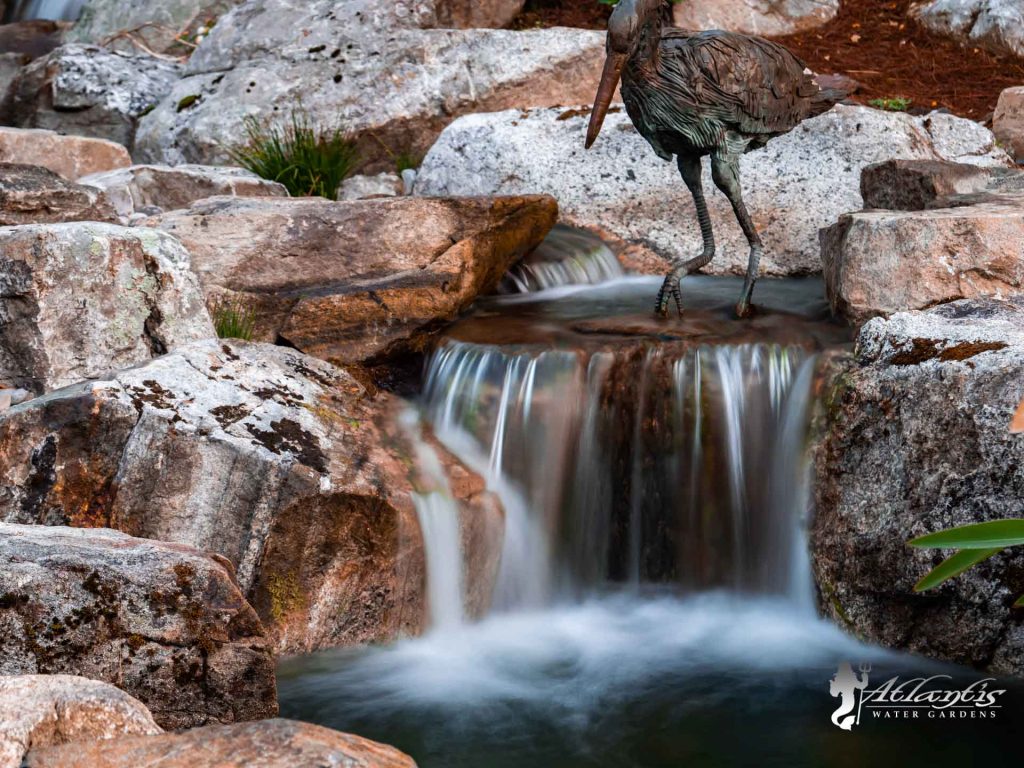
164,622
30,194
1008,122
357,282
756,17
364,67
279,462
40,711
915,185
797,184
915,439
879,262
81,299
70,156
270,744
119,23
90,91
150,189
997,25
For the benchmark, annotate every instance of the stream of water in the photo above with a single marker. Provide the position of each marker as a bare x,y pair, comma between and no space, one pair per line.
56,10
655,604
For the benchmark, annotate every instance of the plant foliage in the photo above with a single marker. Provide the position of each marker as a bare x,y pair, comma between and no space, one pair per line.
233,318
892,103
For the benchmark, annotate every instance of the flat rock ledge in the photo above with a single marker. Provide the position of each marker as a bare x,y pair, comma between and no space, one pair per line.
268,744
914,438
166,623
70,156
281,463
40,711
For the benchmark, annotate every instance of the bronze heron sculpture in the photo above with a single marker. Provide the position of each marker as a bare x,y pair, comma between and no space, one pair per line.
691,94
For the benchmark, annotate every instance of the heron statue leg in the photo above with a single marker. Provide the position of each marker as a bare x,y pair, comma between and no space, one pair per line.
725,170
689,168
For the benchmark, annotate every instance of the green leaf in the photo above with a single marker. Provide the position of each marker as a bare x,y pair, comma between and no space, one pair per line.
954,566
998,533
1020,602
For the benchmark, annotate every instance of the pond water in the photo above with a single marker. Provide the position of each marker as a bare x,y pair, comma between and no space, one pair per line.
655,604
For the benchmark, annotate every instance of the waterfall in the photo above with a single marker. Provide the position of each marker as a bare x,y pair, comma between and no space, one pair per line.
652,463
568,256
57,10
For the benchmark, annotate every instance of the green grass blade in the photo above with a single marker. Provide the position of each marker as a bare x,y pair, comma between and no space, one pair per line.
1020,602
954,566
998,533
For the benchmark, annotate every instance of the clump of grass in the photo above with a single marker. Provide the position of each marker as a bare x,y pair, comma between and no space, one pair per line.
892,103
407,161
233,317
309,160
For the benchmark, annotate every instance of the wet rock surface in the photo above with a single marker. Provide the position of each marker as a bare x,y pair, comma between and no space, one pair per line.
90,91
269,744
81,299
755,17
279,462
40,711
915,439
368,67
148,189
70,156
798,184
163,622
30,194
410,264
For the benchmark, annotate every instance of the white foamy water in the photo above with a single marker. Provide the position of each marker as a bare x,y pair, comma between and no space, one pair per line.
57,10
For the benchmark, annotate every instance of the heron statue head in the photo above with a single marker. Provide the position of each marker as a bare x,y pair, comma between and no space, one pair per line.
628,21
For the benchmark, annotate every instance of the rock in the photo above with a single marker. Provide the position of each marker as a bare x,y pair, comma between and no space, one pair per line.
32,38
158,188
915,439
997,25
90,91
155,25
371,70
30,194
410,264
9,397
270,744
1008,122
914,185
472,14
163,622
70,156
81,299
798,184
756,17
10,67
40,711
363,187
279,462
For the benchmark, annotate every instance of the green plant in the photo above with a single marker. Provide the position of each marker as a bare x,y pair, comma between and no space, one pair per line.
309,160
233,318
974,543
892,103
407,161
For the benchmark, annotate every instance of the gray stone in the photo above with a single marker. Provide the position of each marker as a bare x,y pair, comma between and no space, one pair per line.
155,25
78,300
30,194
40,711
153,189
279,462
914,185
90,91
163,622
915,439
997,25
361,187
364,67
1008,122
798,184
756,17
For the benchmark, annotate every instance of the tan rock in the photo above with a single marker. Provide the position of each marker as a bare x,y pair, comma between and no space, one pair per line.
353,282
40,711
31,194
1008,123
164,622
269,744
756,17
70,156
83,298
880,262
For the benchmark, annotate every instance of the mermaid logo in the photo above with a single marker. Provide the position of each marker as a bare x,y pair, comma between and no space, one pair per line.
850,690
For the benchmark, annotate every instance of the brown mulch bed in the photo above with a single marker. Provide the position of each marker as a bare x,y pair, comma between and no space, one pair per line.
872,41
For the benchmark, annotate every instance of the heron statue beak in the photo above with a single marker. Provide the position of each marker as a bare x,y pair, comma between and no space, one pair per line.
609,82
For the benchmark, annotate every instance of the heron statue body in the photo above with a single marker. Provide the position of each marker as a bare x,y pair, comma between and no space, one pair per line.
692,94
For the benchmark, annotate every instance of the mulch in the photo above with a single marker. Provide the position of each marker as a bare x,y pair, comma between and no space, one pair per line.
873,41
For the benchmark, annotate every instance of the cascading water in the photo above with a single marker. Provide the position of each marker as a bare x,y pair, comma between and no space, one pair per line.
57,10
654,607
568,256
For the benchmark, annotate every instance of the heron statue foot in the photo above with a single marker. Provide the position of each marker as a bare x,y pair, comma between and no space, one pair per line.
671,288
